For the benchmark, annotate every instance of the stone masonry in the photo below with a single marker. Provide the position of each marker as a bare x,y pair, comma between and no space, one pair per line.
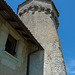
41,18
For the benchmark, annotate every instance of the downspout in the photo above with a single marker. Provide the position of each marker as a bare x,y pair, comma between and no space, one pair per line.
28,60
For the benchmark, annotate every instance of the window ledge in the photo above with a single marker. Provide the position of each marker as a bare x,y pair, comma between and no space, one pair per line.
8,60
9,55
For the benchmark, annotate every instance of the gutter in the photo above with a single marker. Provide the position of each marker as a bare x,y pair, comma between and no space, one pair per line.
28,60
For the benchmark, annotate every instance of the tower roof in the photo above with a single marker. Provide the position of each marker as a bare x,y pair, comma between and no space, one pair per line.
46,0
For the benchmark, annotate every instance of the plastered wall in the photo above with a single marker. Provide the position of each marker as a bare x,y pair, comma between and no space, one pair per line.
9,64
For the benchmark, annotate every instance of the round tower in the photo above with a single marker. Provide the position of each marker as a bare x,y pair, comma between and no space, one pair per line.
41,18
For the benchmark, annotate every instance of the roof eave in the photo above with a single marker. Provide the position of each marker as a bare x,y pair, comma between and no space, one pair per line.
8,9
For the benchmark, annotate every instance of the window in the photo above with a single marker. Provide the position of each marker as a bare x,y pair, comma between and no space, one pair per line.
11,45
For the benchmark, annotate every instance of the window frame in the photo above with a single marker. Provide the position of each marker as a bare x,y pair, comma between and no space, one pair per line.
11,41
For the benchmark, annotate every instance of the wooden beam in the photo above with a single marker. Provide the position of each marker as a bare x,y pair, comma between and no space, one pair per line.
19,28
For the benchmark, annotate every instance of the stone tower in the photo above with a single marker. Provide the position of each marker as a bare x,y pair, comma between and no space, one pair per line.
41,18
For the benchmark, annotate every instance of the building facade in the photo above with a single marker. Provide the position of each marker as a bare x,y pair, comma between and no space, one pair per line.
29,42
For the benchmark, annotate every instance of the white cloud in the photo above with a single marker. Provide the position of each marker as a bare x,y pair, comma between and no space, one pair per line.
72,71
72,62
70,67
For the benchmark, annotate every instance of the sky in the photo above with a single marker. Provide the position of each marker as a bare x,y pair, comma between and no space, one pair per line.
66,29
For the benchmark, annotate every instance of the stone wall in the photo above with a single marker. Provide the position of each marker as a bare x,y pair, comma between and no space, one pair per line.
44,28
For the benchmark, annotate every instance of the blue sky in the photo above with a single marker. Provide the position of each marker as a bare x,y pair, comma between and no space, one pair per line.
66,29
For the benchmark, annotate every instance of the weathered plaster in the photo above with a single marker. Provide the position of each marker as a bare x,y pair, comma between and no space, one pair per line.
11,30
29,47
0,27
4,70
15,64
36,63
3,37
19,48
